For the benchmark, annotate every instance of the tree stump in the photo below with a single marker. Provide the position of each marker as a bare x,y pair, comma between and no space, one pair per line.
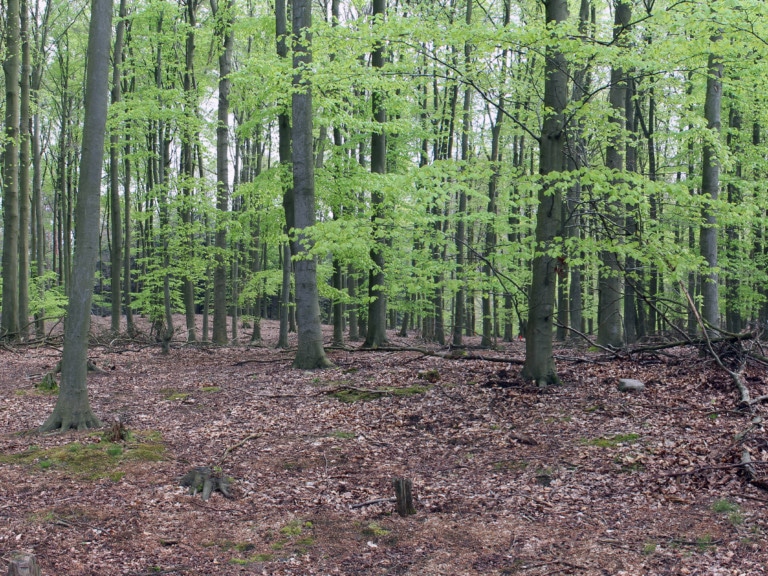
23,564
403,496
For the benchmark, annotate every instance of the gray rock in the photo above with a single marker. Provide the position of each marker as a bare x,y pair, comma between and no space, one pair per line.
630,385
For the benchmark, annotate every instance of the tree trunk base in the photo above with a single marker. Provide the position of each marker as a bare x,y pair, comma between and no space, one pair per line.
74,420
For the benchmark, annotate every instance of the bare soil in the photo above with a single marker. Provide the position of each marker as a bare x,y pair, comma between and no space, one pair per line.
508,479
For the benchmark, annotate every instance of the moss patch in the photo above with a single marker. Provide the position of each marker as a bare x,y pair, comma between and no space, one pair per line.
612,441
90,461
349,395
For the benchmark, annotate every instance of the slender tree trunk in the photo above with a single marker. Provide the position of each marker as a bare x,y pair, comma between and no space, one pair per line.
25,208
733,317
310,353
130,326
114,177
72,408
376,334
354,328
38,218
224,16
284,151
609,328
9,328
710,187
539,362
461,235
634,322
338,270
188,163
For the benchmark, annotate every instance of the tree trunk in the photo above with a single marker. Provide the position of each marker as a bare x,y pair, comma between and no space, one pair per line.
609,327
376,334
354,328
284,151
539,363
25,208
72,408
188,164
130,327
9,328
224,16
461,235
710,187
310,353
114,179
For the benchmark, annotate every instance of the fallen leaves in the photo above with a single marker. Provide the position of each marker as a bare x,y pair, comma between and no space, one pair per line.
506,478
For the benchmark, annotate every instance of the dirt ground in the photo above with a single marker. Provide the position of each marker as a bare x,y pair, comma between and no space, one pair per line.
507,479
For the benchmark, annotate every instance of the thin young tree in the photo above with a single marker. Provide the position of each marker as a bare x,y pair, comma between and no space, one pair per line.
284,152
72,408
9,329
710,187
115,213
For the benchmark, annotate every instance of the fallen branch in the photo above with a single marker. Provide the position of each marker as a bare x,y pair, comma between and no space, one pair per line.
709,468
234,447
450,355
373,502
738,375
748,467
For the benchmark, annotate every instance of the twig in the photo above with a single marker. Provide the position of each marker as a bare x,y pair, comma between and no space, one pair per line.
236,446
610,351
735,376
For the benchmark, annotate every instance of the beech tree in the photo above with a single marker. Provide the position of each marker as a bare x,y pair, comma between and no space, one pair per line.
310,353
9,329
539,362
72,408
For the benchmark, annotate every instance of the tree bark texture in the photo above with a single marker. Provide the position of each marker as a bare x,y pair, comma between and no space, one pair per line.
710,188
114,178
225,17
310,353
377,308
9,328
72,408
610,296
539,363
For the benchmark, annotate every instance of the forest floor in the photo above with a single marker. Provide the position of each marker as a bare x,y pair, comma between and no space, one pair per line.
507,479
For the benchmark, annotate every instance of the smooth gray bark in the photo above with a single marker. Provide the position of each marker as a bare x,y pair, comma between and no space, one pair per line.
9,328
310,353
72,408
376,334
539,363
610,295
25,208
187,161
710,188
284,152
114,178
225,17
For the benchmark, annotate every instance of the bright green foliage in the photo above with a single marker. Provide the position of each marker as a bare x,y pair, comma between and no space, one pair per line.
422,81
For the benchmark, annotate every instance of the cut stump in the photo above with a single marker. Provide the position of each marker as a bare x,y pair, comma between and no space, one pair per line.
23,564
403,496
